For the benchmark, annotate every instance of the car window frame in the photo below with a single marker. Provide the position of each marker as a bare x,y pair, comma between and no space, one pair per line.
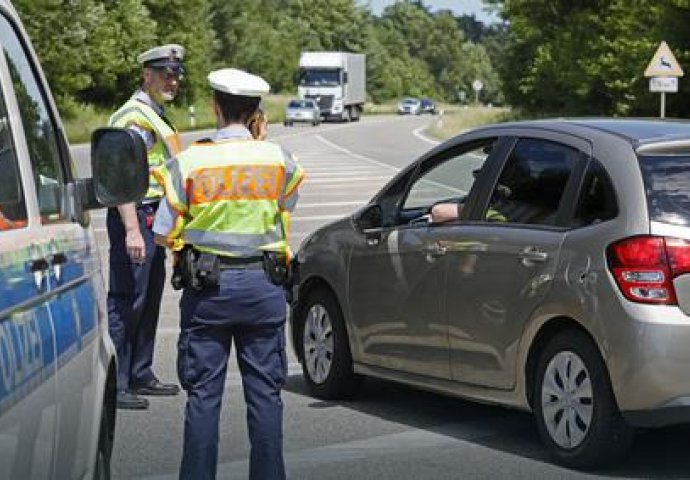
425,165
565,210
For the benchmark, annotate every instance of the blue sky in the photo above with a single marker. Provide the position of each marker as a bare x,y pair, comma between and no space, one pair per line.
459,7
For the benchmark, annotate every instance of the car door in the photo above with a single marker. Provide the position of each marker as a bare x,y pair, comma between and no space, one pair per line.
68,265
28,356
507,257
396,283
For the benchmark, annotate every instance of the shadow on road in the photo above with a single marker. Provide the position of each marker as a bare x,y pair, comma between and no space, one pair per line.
659,453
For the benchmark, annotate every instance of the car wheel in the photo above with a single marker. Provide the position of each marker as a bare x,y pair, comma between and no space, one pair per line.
326,358
577,415
287,124
105,448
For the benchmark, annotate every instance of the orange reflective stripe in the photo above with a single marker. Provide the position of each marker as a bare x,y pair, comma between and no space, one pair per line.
235,182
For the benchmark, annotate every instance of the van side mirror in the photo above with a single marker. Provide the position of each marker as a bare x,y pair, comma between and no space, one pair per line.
119,166
344,77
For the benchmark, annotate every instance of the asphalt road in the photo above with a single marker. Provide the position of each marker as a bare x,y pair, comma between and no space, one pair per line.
388,431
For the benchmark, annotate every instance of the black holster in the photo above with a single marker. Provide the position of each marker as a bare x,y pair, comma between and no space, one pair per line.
194,269
276,268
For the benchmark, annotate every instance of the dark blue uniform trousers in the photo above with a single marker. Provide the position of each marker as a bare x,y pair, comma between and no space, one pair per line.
249,310
134,298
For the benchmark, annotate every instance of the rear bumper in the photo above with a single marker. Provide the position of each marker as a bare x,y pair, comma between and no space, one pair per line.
649,365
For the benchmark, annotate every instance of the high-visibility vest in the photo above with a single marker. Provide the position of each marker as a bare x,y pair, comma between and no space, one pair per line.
229,196
167,141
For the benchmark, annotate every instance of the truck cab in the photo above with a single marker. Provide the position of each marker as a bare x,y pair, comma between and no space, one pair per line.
57,362
336,81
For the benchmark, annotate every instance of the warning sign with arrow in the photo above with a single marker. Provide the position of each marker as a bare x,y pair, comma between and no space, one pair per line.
663,64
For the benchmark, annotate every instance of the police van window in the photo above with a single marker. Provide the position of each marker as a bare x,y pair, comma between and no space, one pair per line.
12,206
39,128
532,182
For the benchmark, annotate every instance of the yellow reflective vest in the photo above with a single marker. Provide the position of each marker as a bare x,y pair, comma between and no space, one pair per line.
167,141
231,197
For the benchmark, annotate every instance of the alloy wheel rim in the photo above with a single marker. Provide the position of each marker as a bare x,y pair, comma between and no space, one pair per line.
318,343
567,400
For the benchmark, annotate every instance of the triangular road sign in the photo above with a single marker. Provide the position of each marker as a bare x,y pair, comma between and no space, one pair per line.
663,64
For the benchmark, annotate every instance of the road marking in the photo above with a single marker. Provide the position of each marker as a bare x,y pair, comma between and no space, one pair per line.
355,155
418,133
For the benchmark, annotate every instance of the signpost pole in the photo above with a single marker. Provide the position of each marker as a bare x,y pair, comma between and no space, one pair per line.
663,105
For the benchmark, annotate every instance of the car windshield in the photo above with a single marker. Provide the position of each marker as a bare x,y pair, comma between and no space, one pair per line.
667,185
300,104
410,101
319,78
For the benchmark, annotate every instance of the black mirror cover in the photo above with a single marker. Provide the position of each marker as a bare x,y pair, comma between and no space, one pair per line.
119,165
370,217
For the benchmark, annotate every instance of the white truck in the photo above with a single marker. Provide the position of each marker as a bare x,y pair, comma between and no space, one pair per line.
336,80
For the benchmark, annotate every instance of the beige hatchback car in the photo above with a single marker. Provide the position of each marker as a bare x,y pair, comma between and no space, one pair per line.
562,288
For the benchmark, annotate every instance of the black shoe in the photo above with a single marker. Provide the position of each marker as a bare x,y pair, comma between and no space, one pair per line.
155,387
129,401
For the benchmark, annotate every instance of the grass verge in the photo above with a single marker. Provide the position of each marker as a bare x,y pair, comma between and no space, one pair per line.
456,120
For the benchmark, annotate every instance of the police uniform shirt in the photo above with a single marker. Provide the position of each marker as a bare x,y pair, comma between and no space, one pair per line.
165,216
146,135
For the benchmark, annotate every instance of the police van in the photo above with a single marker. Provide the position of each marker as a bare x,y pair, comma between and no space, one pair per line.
57,362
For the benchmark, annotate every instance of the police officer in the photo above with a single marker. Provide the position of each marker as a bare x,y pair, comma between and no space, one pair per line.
229,198
137,268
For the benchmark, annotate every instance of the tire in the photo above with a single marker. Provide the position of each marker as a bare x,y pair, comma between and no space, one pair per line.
593,432
287,124
357,113
105,448
346,115
326,358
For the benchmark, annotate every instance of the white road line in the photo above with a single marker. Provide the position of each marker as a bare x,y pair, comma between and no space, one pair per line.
350,179
355,155
301,205
418,133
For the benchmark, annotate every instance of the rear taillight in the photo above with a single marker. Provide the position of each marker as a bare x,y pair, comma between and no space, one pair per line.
644,267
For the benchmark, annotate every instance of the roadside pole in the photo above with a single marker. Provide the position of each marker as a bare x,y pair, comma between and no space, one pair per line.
663,72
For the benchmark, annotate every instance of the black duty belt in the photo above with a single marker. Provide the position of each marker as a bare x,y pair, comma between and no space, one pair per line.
240,262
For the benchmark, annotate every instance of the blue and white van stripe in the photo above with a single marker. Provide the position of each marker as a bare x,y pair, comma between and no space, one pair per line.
43,328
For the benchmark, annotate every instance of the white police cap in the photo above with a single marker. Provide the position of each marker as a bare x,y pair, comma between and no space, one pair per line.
169,55
238,82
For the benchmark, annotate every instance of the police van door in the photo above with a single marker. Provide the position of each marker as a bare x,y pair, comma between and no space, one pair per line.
28,357
67,264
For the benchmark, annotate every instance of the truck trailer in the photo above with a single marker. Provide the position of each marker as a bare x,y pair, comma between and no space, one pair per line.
336,80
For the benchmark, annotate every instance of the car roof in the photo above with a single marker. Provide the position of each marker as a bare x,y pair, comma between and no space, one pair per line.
637,131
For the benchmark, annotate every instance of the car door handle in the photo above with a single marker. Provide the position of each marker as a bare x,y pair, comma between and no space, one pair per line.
533,254
434,250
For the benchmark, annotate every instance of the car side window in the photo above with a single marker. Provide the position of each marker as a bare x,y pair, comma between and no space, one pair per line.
446,180
39,127
597,201
12,204
530,187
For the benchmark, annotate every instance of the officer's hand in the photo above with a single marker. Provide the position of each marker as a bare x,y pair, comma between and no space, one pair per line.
136,248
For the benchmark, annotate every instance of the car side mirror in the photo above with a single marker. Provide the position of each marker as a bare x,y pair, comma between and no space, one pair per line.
119,166
369,218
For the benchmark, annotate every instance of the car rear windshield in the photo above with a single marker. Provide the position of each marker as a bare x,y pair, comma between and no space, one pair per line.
667,185
300,104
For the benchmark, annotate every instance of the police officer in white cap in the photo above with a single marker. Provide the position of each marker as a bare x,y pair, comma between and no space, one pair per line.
137,265
227,202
